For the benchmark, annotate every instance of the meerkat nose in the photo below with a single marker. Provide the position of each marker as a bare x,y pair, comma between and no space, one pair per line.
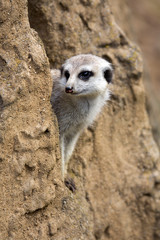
69,89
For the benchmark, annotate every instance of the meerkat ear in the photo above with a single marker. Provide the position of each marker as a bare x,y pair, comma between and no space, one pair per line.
108,75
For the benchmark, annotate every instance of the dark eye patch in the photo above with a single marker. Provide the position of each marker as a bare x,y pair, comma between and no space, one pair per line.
66,74
85,75
108,75
62,69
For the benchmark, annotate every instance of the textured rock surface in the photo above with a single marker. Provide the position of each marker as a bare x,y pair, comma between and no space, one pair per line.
141,22
146,27
114,167
28,138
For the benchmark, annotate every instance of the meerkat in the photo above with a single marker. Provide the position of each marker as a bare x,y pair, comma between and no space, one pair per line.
80,90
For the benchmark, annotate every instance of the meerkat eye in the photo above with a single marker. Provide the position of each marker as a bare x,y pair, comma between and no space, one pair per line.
67,74
85,75
108,75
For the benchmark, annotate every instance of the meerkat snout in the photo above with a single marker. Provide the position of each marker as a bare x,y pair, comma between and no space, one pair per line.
69,89
79,92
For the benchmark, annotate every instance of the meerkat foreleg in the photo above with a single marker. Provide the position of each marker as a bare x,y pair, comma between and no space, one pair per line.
68,143
62,145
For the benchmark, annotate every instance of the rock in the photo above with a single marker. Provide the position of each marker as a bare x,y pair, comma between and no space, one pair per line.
115,165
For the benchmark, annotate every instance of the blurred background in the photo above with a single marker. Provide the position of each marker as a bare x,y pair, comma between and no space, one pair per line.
141,23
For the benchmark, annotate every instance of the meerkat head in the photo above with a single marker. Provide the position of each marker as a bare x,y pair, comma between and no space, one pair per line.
85,75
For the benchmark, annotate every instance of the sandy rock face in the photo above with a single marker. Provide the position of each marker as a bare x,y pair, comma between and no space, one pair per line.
114,166
141,23
28,135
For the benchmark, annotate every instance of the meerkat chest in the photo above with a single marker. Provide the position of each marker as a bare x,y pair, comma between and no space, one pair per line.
95,106
80,109
78,113
85,110
73,114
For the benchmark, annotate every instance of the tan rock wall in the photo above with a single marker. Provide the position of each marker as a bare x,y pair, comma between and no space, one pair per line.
28,137
141,22
114,166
